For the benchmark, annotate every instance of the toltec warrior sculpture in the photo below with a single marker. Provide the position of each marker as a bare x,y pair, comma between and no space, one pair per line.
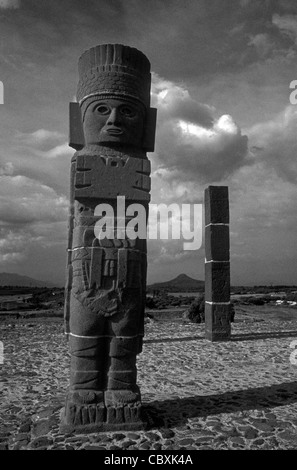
112,127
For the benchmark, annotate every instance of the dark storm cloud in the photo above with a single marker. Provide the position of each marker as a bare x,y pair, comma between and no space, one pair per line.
191,40
240,53
181,38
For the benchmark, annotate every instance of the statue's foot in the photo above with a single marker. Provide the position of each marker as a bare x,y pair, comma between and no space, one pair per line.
117,398
84,411
86,397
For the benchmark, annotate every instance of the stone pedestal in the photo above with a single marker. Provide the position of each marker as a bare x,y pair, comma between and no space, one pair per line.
217,264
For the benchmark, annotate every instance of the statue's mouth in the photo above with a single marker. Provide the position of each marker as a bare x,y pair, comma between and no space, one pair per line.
114,131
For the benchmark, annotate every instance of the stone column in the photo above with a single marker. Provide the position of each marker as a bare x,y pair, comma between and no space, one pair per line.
112,126
217,264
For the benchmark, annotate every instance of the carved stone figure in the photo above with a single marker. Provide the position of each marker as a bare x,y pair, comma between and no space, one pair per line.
112,127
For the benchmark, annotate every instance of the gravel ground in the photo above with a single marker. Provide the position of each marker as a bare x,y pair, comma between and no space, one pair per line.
240,394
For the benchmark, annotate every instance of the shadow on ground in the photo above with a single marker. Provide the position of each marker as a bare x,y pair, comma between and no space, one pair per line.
239,337
177,412
264,335
172,340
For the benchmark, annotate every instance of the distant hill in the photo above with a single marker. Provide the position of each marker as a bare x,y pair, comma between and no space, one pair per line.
13,279
181,283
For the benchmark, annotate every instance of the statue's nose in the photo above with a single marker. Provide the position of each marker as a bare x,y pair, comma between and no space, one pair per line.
114,118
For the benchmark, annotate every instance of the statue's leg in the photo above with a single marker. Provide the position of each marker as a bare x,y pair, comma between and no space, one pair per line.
88,347
87,363
123,348
121,381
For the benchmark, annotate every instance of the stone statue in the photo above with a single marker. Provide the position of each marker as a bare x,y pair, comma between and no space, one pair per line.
112,126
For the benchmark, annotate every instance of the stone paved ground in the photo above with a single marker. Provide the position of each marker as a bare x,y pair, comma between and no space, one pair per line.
240,394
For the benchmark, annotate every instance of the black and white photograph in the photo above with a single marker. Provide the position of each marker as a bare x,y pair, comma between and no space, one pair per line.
148,227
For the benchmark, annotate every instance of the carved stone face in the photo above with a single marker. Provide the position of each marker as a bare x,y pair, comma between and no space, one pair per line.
114,121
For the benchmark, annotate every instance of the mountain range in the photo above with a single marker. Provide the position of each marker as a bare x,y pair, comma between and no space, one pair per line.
181,283
13,279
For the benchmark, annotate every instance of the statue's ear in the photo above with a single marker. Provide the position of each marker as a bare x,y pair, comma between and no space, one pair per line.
76,133
150,130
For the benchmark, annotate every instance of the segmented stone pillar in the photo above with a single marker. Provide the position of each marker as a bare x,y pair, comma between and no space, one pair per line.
217,264
112,126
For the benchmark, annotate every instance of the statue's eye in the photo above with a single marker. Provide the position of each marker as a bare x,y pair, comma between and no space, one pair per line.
127,111
103,109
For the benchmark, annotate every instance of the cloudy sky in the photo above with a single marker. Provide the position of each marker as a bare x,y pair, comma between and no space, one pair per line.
221,82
